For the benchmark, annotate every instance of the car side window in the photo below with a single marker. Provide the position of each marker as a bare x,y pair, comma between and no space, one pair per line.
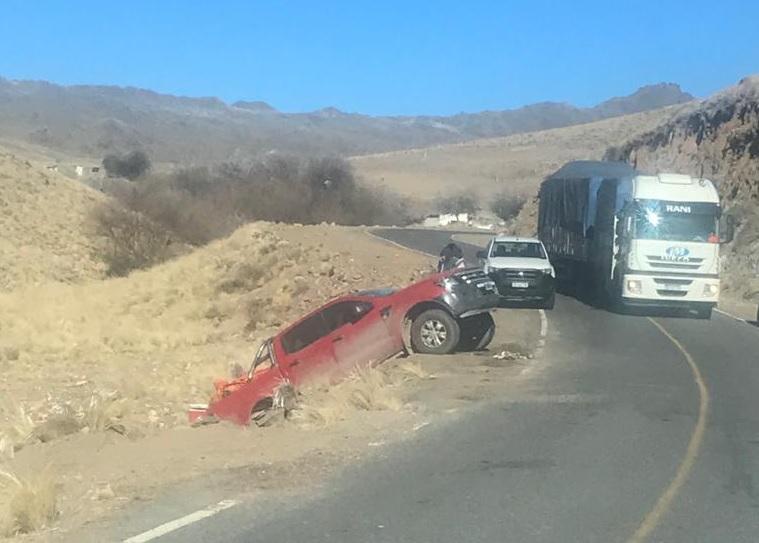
343,313
305,333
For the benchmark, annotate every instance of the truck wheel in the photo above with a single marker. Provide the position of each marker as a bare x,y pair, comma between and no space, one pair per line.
549,303
476,332
704,313
435,332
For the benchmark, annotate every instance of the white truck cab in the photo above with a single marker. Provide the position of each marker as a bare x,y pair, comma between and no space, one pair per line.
671,238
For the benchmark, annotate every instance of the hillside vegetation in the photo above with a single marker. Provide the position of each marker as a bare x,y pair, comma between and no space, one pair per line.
44,230
513,165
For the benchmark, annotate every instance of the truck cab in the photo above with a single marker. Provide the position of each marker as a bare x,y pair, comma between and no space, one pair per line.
666,242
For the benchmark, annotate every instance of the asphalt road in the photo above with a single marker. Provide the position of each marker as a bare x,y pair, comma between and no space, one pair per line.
626,431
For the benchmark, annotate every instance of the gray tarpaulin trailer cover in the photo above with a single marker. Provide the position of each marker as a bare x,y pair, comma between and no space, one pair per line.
567,206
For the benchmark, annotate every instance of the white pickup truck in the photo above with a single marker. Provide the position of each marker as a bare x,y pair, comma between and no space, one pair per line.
521,271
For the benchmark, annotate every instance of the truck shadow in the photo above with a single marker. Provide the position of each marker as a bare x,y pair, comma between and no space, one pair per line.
590,297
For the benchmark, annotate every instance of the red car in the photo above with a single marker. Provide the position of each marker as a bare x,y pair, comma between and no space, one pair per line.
437,315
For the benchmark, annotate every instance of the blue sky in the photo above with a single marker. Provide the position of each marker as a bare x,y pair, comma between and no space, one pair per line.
390,57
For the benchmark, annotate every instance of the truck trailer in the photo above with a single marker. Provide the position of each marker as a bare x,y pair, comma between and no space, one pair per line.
633,239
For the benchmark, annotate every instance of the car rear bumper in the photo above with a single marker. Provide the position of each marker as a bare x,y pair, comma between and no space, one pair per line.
512,289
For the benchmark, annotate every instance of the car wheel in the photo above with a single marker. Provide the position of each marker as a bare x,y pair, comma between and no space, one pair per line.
476,332
435,332
704,313
549,302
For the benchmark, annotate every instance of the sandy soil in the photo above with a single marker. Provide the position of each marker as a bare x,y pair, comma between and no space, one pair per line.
101,473
97,374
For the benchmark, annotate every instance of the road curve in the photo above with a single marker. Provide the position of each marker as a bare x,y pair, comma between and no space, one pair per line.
603,445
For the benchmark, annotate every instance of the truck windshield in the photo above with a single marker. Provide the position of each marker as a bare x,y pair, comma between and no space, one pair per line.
653,223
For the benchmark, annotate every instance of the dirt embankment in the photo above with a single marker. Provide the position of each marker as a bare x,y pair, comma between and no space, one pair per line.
721,135
106,365
43,227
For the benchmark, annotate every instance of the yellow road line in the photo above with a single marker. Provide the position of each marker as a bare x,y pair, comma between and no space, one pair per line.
664,503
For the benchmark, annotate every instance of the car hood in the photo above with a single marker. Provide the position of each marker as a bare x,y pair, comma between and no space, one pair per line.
518,263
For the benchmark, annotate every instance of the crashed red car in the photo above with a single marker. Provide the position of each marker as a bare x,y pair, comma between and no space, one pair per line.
437,315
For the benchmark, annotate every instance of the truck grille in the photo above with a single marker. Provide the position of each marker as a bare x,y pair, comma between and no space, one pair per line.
517,274
658,262
674,288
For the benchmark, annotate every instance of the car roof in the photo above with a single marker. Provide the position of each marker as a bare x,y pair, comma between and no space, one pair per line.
523,239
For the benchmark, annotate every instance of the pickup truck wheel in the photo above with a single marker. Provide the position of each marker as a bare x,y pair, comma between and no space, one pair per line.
549,302
476,332
435,332
704,313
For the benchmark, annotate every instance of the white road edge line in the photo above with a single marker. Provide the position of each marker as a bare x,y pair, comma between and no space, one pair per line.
730,315
173,525
543,324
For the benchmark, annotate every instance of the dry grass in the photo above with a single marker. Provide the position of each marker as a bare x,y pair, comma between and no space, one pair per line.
28,503
106,413
159,337
44,225
16,429
412,370
514,165
366,389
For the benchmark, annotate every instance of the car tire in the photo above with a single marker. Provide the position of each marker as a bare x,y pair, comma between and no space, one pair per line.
476,332
435,331
549,302
704,313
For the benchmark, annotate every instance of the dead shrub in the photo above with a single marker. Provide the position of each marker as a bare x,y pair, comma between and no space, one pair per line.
31,503
412,370
507,206
461,202
106,412
366,389
198,205
132,240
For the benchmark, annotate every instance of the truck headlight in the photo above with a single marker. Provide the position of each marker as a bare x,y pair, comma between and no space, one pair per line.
548,271
711,290
634,286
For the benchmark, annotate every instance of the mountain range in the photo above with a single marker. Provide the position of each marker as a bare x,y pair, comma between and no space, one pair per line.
92,121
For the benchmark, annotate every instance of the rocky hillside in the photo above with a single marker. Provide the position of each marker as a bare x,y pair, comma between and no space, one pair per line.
44,232
720,135
90,121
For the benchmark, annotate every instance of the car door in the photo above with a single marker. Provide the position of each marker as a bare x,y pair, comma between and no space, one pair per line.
359,333
307,351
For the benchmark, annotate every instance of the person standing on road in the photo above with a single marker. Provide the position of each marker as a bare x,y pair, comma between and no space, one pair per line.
451,256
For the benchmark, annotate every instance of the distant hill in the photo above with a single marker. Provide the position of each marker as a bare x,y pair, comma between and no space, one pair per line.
94,120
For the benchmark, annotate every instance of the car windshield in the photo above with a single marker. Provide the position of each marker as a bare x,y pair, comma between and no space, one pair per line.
517,249
262,359
654,223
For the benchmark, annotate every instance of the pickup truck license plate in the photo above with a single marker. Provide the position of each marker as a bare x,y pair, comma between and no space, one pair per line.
520,284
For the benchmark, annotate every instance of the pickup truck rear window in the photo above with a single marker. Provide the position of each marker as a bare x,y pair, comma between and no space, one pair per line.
517,249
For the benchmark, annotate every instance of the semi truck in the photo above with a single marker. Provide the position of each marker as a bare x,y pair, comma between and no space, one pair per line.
633,239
